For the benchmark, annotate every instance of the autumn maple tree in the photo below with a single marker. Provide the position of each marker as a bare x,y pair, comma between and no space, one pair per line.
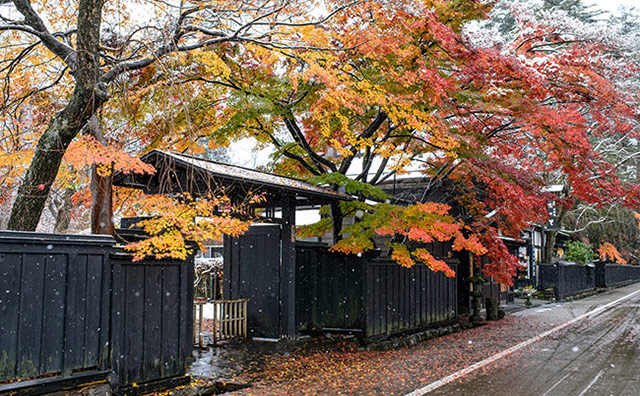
371,91
62,63
614,43
607,251
412,90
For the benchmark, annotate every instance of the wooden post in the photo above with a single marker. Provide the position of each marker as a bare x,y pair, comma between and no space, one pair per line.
200,317
215,323
195,330
288,269
234,328
244,318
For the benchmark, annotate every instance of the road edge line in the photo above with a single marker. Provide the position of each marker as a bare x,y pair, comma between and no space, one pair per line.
461,373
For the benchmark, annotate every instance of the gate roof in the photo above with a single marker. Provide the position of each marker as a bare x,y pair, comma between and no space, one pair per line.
179,173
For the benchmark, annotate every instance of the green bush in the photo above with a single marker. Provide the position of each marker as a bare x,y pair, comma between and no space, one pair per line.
579,252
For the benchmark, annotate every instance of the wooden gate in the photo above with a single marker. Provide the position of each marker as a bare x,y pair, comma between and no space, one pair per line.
229,321
252,264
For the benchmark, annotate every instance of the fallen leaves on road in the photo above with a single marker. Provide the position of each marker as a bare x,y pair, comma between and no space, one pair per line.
341,368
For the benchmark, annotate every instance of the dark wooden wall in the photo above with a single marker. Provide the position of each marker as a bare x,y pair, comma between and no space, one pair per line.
330,289
612,275
566,279
152,315
402,299
334,291
74,310
373,296
54,304
252,265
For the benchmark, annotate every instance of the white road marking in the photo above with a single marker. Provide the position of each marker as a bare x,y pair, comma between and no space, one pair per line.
461,373
556,384
595,379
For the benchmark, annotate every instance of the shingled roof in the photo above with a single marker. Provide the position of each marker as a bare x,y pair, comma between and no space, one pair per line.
180,173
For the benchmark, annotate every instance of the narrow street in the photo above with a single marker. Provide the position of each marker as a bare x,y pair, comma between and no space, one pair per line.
596,355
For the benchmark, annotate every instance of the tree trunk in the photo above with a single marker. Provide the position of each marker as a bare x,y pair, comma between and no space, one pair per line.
476,294
87,97
101,189
62,211
549,246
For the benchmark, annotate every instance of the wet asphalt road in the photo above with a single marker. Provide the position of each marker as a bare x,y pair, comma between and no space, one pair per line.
598,355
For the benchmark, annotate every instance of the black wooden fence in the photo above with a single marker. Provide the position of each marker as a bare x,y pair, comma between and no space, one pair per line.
612,275
375,297
330,289
73,309
252,266
567,279
402,299
152,318
54,305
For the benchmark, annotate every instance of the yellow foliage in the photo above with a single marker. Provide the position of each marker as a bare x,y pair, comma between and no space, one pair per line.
212,63
176,222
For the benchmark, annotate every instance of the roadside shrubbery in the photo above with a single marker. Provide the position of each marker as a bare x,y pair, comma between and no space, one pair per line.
579,252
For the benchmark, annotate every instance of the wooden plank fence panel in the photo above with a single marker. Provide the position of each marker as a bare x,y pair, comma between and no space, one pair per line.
612,275
392,299
186,311
253,271
31,308
75,312
152,322
68,304
170,326
93,321
567,279
156,305
134,319
53,318
10,275
108,287
44,322
432,301
404,299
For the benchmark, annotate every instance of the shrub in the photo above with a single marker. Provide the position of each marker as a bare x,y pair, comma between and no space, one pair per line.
579,252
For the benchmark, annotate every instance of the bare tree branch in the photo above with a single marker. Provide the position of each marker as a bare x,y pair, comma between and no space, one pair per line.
33,20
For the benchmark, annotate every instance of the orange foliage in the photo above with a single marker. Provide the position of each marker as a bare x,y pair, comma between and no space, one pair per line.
492,120
608,252
87,151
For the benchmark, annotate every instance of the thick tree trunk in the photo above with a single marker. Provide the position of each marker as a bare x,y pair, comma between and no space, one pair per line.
101,190
549,246
33,193
87,97
101,203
